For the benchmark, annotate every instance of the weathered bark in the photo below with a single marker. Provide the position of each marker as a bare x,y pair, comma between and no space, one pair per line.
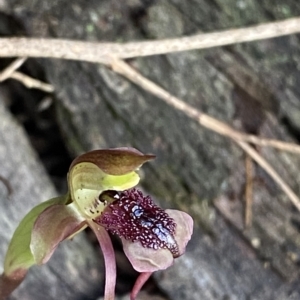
252,86
74,271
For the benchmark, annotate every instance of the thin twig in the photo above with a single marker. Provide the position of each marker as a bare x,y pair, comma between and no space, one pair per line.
8,71
104,52
31,83
205,120
124,69
270,170
248,191
101,52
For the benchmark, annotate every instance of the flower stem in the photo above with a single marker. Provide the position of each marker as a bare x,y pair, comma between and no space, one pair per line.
143,277
9,283
109,260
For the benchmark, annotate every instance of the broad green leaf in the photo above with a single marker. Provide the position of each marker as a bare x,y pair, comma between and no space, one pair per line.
19,256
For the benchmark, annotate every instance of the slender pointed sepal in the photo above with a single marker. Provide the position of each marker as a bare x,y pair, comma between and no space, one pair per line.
19,257
53,225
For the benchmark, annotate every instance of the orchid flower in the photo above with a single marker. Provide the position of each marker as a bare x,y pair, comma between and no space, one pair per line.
102,196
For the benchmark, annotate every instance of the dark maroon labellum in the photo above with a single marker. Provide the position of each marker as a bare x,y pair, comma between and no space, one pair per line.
135,217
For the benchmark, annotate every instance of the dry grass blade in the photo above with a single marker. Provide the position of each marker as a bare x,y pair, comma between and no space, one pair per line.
124,69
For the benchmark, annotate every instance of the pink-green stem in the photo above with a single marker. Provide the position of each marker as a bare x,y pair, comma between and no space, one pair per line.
109,260
9,283
143,277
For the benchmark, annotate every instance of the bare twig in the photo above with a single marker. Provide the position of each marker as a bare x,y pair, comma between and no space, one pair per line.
253,139
248,191
101,52
108,53
123,68
30,82
8,71
269,169
205,120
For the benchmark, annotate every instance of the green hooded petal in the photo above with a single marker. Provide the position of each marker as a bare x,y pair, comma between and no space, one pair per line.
100,170
19,257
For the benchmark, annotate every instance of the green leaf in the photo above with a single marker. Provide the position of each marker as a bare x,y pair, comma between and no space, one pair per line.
19,257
